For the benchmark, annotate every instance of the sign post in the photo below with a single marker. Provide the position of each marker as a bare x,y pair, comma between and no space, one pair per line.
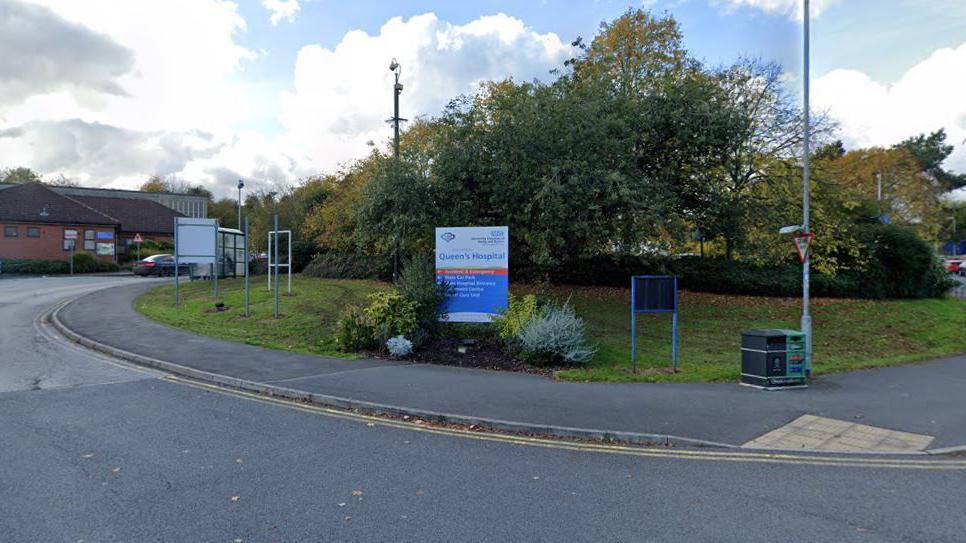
654,294
474,261
138,240
72,236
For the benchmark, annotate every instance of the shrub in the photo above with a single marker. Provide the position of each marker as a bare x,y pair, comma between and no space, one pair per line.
904,265
417,284
387,315
353,331
399,347
557,335
303,252
518,313
34,267
83,263
348,266
390,314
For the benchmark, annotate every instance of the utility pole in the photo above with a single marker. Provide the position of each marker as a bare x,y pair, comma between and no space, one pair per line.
397,89
241,184
806,151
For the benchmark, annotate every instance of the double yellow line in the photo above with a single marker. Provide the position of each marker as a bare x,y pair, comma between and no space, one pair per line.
851,461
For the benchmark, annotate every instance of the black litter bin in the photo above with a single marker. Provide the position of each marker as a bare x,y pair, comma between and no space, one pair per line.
773,359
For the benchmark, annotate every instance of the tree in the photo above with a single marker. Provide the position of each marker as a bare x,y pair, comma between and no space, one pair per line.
635,53
764,139
155,184
909,196
930,151
19,175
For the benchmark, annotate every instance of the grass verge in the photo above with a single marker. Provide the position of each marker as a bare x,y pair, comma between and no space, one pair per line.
849,334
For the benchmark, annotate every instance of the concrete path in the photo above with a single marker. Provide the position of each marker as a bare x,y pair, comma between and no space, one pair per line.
926,399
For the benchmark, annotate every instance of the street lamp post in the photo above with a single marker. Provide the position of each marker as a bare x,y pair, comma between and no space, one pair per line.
806,150
241,184
397,89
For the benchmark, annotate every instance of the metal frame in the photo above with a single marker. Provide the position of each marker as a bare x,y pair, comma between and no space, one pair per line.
635,311
288,263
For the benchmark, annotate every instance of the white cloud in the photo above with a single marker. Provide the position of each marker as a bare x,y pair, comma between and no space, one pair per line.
187,109
790,8
281,9
342,96
33,62
927,97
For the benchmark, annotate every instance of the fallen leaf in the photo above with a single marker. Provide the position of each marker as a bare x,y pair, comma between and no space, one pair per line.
357,493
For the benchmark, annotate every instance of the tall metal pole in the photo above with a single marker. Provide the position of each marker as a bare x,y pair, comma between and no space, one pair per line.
396,91
248,307
240,185
806,151
276,262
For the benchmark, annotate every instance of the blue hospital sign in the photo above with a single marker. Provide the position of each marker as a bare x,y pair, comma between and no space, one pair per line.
474,261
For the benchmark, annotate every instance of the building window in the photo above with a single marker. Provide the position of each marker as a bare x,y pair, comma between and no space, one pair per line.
33,232
9,231
70,239
90,243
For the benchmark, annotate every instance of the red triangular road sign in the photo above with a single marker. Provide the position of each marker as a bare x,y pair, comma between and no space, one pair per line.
802,244
138,238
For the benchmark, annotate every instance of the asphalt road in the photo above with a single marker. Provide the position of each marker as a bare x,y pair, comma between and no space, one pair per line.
91,451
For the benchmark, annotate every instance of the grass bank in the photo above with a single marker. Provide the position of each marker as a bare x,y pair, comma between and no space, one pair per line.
849,334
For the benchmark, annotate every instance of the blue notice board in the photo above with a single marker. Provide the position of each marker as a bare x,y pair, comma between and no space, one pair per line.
654,294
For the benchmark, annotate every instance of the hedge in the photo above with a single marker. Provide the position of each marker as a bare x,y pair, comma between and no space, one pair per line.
83,263
903,266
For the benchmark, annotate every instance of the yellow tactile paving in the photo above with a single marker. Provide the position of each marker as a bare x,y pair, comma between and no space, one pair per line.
820,433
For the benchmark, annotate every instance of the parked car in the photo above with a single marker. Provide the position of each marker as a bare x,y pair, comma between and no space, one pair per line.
955,267
160,265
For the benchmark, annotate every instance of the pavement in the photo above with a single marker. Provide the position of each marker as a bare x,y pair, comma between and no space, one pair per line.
923,399
96,450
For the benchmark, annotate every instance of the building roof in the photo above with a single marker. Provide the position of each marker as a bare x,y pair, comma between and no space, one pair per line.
36,203
135,216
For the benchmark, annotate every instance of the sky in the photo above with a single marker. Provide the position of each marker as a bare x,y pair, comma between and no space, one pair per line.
110,92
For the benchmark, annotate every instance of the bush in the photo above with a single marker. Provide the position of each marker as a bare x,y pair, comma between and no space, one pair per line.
303,252
399,347
34,267
83,263
348,266
904,265
387,315
519,312
417,284
391,315
354,331
556,335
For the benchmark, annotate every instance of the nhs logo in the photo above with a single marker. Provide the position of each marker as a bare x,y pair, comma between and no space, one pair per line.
447,236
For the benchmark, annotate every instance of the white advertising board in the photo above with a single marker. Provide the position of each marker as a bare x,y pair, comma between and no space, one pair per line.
194,240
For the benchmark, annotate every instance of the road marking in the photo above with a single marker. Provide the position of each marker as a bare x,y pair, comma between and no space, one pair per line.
720,456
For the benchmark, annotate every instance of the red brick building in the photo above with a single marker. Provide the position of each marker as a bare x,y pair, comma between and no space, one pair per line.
38,223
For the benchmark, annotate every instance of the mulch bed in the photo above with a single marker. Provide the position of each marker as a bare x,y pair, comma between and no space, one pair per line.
486,354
